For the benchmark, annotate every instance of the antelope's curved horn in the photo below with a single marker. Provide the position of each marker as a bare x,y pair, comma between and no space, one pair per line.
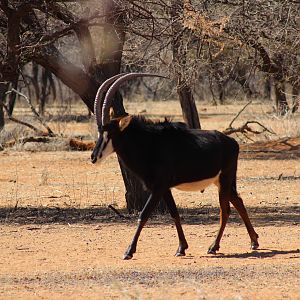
114,87
100,97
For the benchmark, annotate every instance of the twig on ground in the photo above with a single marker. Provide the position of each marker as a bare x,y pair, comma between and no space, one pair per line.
117,212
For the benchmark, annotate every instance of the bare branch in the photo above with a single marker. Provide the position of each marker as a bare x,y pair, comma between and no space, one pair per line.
244,129
50,132
36,130
238,114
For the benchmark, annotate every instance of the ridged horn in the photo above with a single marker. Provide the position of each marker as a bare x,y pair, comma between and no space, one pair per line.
100,97
114,87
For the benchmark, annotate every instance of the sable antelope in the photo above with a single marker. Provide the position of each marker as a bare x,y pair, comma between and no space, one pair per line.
167,155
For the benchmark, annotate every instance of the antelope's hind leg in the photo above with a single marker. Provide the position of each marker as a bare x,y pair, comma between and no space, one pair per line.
224,215
224,184
237,202
228,193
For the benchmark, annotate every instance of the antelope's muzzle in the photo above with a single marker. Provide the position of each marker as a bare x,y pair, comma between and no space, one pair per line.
95,153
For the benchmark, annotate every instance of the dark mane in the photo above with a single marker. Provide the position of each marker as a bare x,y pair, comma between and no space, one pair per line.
150,125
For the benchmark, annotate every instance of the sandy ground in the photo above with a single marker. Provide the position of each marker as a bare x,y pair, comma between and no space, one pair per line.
57,261
60,241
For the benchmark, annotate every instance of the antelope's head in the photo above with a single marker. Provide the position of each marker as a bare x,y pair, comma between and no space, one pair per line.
109,127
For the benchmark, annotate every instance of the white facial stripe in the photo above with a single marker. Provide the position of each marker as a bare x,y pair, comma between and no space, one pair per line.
109,149
106,148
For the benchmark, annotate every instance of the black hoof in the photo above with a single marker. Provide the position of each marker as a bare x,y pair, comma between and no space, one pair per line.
127,256
213,249
254,245
181,249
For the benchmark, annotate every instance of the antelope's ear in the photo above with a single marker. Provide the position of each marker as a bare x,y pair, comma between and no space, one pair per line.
124,122
111,113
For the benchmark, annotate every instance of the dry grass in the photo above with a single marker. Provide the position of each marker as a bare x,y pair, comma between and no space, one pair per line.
212,117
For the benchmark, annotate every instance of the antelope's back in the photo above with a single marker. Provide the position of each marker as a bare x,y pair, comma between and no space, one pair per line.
191,155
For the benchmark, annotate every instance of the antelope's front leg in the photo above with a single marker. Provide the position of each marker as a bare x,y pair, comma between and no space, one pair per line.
183,245
144,216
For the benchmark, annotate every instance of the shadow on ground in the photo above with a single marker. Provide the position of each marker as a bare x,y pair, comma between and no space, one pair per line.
260,216
261,253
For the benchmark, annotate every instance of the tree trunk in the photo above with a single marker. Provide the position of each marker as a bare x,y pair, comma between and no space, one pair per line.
295,97
282,106
134,191
35,79
2,123
188,106
187,102
12,97
3,89
43,98
268,88
221,89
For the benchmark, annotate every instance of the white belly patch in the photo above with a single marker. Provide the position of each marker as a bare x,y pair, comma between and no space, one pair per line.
198,185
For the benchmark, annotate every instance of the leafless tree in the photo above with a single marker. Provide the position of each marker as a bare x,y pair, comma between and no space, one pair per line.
221,42
268,33
32,31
